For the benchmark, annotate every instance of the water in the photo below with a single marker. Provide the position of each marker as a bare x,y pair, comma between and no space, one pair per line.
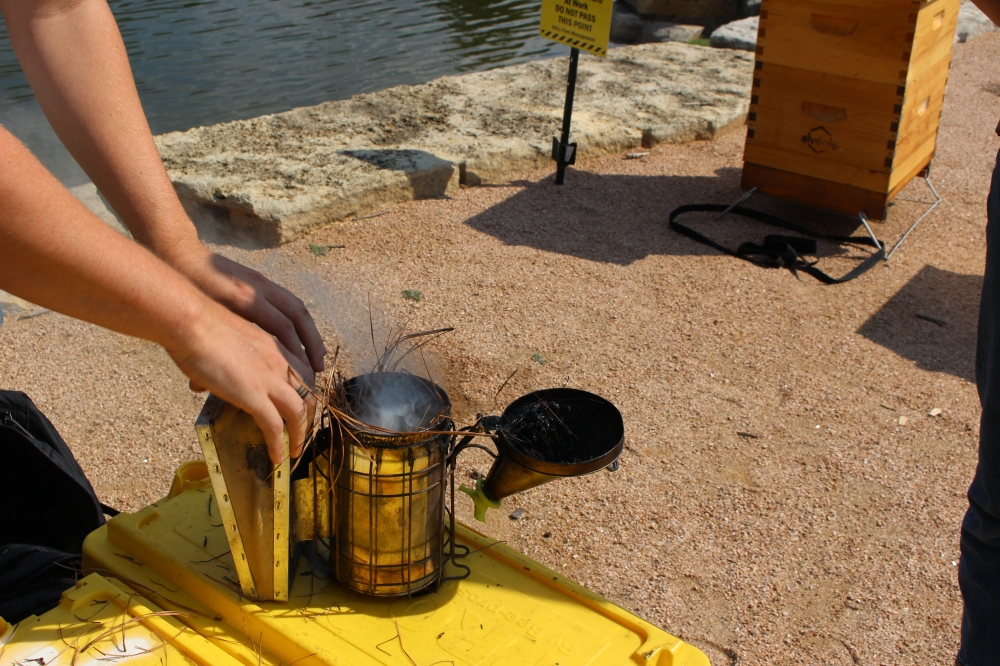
201,62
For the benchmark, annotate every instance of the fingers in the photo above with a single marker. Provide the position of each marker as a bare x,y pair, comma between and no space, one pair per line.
281,327
311,340
265,303
272,425
285,410
303,391
302,371
306,333
295,411
248,368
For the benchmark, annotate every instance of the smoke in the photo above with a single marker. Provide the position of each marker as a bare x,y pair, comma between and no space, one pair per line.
344,310
348,315
395,401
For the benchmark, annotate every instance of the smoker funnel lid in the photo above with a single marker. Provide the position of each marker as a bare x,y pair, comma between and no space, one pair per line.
562,431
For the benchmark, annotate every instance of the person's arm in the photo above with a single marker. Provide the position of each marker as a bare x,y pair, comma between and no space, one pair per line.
74,58
989,7
55,253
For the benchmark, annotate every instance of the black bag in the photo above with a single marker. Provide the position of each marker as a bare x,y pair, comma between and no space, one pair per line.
796,253
32,578
47,508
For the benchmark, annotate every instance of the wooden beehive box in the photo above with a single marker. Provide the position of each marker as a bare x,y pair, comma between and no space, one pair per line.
846,100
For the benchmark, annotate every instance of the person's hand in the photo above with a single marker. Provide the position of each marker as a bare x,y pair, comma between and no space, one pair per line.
247,368
57,254
255,298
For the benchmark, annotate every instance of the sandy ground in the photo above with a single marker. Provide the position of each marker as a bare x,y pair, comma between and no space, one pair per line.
828,537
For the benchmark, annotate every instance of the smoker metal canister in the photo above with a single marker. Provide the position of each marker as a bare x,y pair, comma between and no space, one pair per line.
389,530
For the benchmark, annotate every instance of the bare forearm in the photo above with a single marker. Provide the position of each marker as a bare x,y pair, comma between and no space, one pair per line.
55,253
75,59
991,8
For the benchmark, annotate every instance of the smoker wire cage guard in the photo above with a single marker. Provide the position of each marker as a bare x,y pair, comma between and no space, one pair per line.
383,533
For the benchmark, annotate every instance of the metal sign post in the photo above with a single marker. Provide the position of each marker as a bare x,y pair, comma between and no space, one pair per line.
564,152
580,24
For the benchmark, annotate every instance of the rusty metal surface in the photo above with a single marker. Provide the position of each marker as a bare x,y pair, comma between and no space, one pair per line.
390,519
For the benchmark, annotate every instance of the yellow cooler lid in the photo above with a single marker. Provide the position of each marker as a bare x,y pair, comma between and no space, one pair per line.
102,622
511,611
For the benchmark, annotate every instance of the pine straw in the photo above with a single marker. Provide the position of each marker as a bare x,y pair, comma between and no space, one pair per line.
335,410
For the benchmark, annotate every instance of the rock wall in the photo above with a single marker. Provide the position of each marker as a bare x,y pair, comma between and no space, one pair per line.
703,12
972,23
647,21
274,178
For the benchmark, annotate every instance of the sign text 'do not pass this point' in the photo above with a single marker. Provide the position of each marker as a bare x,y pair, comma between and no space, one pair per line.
581,24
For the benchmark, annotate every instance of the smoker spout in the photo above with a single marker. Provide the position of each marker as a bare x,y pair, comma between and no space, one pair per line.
586,421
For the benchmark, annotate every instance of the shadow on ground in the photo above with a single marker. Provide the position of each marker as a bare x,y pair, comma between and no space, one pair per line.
932,321
621,219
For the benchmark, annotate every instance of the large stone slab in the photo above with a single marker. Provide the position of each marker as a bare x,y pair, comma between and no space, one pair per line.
275,178
972,23
665,31
695,11
627,27
740,35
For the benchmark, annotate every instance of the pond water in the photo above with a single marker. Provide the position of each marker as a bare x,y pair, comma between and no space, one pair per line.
200,62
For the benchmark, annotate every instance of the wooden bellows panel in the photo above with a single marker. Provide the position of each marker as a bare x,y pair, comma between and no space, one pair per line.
846,99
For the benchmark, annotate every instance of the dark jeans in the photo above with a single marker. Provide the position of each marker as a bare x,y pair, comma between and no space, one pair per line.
979,568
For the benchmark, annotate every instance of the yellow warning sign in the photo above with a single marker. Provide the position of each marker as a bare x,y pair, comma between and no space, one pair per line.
583,24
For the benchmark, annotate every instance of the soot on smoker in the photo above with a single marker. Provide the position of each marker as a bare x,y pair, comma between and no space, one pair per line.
394,401
560,431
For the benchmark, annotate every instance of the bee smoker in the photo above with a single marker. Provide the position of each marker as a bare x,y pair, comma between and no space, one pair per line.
372,500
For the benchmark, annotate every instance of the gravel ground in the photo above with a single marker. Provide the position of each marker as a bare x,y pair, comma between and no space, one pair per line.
785,495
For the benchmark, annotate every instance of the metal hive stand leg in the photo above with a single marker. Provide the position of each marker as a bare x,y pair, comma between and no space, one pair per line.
746,195
932,205
864,220
863,216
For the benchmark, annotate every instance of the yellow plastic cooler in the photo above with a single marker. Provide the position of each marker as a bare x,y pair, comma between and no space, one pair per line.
106,622
511,611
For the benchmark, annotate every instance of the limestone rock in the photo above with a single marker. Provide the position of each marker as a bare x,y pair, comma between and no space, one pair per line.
664,31
972,23
741,35
12,305
275,178
627,27
691,11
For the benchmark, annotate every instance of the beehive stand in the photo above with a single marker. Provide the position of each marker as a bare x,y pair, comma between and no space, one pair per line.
846,101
